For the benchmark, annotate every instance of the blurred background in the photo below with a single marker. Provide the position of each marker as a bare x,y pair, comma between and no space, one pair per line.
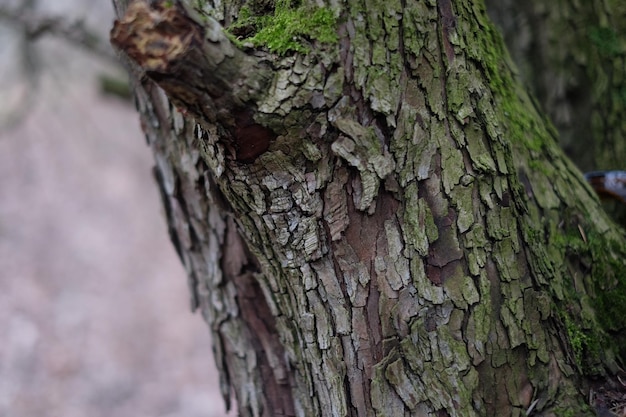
94,306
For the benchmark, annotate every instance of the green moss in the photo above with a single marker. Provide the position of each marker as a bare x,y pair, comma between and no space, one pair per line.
609,275
589,343
606,41
590,321
287,29
578,339
568,412
490,51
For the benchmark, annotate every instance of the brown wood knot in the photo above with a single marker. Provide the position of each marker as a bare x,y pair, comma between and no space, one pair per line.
608,184
251,138
155,35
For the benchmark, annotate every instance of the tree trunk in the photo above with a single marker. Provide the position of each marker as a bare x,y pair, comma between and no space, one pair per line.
375,219
572,56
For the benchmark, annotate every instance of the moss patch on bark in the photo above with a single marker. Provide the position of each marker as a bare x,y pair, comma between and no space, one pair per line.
284,28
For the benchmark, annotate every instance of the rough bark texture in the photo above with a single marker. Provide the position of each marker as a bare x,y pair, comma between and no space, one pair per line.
571,53
408,240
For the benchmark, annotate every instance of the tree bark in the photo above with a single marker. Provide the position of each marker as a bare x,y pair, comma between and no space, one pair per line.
384,226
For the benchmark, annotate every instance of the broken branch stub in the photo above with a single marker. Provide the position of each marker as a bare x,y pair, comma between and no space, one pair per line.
198,67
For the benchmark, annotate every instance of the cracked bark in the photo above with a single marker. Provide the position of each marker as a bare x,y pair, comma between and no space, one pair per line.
393,243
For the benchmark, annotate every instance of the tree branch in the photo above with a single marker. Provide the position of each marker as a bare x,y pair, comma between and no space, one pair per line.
198,67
